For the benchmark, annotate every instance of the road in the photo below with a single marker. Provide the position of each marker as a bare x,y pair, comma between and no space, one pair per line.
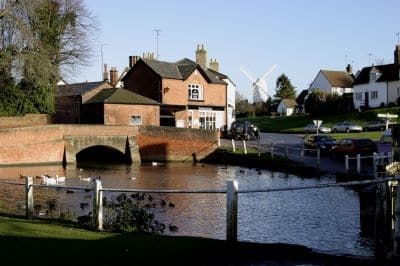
295,144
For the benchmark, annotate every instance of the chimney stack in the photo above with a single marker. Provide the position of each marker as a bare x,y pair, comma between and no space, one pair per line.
214,65
133,60
105,73
113,76
148,56
349,69
397,55
201,56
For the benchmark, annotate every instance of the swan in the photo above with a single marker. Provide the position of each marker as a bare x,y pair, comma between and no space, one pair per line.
60,179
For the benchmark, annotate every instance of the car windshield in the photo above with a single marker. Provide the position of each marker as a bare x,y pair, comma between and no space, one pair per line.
324,138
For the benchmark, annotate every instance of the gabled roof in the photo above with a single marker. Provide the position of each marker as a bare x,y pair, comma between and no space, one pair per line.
340,79
290,103
389,72
120,96
301,97
78,88
179,70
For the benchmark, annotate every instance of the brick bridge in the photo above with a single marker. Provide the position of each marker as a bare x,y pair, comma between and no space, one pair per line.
62,143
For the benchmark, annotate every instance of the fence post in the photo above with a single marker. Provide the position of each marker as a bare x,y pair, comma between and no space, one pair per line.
389,154
244,147
396,238
346,162
358,163
29,197
374,155
231,210
97,205
219,142
318,157
272,150
233,145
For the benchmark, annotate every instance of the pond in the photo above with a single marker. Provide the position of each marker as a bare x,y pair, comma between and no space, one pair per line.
326,220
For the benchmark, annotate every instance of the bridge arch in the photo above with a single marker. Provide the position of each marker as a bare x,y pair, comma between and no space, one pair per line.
123,147
102,153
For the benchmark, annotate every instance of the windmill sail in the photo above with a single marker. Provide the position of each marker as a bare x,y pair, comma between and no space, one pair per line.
259,85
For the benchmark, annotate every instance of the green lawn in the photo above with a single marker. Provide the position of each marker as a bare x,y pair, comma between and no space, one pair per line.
35,242
296,124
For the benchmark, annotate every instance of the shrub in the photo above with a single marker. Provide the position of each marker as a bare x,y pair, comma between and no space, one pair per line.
131,214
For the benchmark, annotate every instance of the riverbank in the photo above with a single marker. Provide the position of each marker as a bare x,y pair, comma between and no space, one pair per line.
260,160
36,242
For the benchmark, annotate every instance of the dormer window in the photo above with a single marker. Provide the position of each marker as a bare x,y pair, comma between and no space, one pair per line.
372,76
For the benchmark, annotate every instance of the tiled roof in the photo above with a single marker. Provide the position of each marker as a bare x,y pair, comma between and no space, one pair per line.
340,79
120,96
389,72
290,103
78,88
182,69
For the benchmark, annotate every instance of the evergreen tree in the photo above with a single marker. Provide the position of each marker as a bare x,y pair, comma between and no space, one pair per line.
284,88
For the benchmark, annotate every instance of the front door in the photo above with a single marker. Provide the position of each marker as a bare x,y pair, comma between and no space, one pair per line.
366,97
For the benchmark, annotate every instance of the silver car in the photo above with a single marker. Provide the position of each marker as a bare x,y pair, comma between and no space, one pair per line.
311,128
346,127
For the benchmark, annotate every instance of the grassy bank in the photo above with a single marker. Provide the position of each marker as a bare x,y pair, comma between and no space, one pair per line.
39,243
293,124
254,159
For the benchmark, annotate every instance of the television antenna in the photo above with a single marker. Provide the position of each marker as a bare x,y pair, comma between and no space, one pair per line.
398,38
157,35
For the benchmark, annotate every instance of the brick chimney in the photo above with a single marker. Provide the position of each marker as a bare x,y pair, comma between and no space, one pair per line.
201,56
105,73
349,69
214,65
148,56
113,76
133,60
397,55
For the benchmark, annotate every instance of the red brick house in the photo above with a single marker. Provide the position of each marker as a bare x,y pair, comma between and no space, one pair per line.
117,106
100,103
190,95
69,99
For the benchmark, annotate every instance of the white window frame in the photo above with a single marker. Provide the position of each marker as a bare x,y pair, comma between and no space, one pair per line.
374,95
358,96
136,120
199,92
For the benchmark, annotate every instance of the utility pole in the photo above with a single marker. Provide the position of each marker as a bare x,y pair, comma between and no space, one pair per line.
102,61
157,35
369,59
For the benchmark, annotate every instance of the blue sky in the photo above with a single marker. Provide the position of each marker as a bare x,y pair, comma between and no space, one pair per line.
300,37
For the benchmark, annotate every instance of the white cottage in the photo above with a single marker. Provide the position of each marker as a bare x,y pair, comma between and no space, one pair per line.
378,85
333,82
286,107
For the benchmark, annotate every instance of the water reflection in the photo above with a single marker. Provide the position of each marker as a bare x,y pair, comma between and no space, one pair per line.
324,219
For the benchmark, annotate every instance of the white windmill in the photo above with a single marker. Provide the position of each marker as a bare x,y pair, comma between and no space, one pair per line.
260,88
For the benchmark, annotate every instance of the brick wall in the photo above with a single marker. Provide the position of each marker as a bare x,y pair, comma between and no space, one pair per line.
177,92
175,144
120,114
142,80
24,121
45,144
31,145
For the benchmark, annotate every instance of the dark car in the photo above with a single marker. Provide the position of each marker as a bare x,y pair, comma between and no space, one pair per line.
375,125
353,147
323,142
244,130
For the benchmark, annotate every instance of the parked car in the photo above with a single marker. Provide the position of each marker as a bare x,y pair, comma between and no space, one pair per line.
351,146
376,125
311,128
346,127
244,130
323,142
